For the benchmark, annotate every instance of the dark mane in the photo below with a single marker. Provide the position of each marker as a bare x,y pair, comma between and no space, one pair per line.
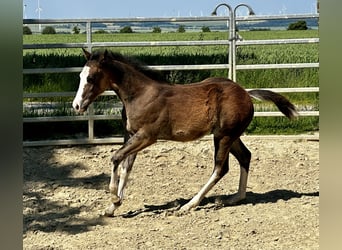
136,64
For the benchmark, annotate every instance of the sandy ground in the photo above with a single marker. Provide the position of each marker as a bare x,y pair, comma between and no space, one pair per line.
65,191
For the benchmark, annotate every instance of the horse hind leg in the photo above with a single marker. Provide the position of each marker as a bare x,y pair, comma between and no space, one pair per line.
221,167
243,155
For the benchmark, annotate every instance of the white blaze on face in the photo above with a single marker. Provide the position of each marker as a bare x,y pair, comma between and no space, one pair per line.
77,103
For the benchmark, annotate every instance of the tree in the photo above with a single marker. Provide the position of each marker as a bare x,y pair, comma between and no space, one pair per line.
126,29
27,30
205,29
49,30
300,25
181,29
156,30
101,32
76,30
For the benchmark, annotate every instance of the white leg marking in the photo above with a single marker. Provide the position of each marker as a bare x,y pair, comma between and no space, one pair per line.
113,189
241,194
113,184
243,182
116,189
200,195
123,181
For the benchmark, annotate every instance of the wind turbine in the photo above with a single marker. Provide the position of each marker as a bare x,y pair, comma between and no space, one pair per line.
283,9
39,10
25,17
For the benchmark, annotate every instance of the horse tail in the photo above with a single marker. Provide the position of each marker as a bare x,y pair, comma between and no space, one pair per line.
283,104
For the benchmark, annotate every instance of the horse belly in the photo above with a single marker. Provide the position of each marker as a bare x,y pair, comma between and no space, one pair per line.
192,123
188,135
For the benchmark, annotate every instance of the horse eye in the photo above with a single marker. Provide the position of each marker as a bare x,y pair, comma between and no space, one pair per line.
90,79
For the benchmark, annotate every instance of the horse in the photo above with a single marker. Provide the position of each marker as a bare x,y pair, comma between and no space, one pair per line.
155,109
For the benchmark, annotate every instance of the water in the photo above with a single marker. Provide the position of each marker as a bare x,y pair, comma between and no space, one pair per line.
312,23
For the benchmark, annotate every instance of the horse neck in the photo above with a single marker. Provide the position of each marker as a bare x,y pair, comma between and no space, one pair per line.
131,84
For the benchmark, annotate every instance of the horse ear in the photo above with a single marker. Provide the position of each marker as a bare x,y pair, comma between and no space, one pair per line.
86,54
105,54
104,57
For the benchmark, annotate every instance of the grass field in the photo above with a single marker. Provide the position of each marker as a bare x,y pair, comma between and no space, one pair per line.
265,54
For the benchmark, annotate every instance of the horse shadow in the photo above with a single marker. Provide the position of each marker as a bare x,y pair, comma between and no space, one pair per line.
41,178
221,201
49,216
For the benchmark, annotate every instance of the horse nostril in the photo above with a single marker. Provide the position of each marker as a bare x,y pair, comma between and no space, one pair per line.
77,107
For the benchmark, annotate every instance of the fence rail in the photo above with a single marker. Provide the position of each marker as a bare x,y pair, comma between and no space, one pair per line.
168,19
169,43
86,117
90,117
186,67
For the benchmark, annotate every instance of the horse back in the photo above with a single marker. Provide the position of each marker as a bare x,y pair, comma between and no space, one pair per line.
213,105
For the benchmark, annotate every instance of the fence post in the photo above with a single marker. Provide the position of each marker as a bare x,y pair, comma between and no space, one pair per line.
231,50
91,122
91,106
88,31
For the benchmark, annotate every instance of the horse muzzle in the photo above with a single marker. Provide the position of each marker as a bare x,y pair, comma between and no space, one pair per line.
80,107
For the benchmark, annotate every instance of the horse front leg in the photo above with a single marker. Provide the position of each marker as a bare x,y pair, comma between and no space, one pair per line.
113,189
127,164
118,181
125,170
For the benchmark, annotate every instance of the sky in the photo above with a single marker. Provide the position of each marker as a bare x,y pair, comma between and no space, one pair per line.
61,9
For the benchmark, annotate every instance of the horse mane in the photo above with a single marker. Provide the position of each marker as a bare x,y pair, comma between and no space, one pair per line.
135,63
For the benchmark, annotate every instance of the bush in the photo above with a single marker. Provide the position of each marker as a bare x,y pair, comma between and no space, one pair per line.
49,30
76,30
156,30
101,32
181,29
27,30
300,25
205,29
126,29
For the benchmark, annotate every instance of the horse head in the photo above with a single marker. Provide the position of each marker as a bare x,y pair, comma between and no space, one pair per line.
94,80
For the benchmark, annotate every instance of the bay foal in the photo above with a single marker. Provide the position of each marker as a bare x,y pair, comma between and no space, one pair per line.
158,110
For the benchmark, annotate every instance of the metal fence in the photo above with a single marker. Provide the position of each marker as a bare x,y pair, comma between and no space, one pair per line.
91,117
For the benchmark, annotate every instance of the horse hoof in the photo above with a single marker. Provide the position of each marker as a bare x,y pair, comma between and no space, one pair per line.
116,200
108,212
185,209
181,212
235,200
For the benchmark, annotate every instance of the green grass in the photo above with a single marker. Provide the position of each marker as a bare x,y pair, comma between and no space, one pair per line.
172,36
282,125
265,54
